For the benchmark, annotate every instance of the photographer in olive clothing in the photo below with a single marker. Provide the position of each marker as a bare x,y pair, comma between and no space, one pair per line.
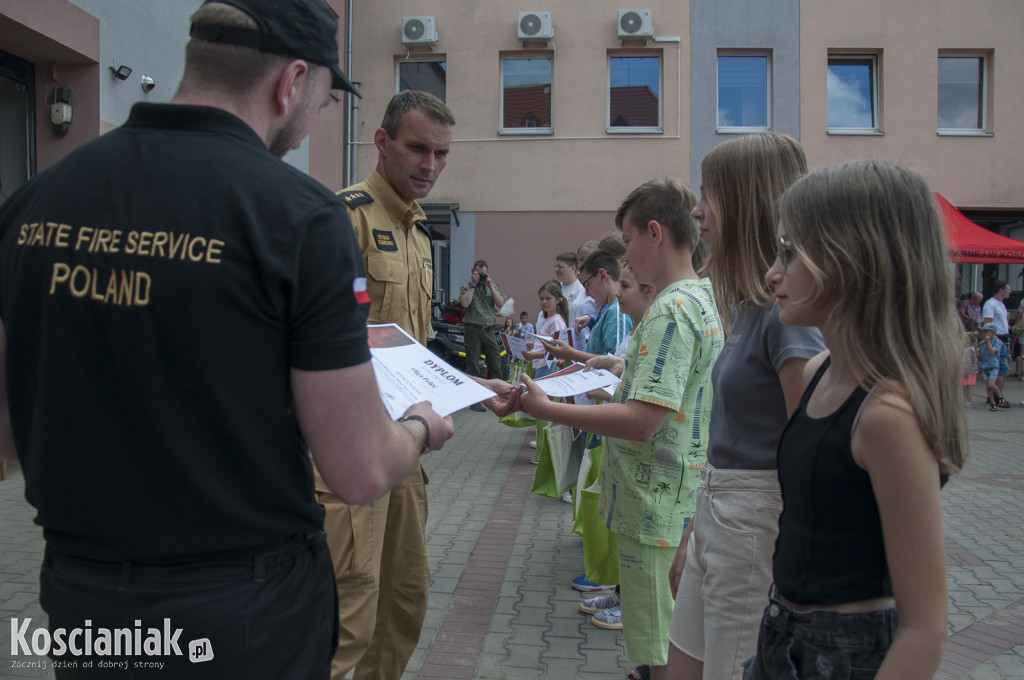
481,298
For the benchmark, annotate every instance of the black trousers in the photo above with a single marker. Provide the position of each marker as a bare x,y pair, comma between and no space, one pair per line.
274,615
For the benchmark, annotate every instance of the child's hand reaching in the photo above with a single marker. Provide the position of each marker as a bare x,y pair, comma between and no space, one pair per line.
555,348
608,362
533,398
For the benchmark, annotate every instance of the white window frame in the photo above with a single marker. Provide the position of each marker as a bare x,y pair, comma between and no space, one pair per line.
986,75
533,131
743,129
634,130
876,110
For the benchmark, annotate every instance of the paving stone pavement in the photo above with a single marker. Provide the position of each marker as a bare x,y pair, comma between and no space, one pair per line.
502,560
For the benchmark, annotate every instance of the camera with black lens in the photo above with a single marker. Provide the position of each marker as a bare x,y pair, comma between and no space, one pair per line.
482,276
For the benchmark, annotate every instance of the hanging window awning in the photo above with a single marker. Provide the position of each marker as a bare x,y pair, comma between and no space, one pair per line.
969,242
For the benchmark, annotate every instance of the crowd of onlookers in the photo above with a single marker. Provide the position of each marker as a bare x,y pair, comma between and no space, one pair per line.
995,337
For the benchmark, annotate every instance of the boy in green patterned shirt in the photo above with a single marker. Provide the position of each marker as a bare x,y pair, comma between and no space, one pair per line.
656,423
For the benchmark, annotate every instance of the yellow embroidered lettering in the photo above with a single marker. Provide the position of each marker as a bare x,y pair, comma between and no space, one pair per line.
37,237
111,294
145,242
61,273
63,231
214,250
192,255
177,245
159,241
84,236
79,282
102,242
142,286
93,295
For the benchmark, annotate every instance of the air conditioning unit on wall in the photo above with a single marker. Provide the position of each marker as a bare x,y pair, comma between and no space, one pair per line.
418,31
635,23
535,26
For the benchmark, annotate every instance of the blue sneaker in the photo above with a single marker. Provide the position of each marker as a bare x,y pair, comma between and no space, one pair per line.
581,584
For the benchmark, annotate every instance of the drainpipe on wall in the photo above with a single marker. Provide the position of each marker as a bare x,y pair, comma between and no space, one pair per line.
353,107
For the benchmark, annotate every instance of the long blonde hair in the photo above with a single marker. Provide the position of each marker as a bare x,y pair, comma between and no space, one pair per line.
871,238
742,179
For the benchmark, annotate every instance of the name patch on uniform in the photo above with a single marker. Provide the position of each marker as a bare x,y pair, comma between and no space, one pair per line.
385,240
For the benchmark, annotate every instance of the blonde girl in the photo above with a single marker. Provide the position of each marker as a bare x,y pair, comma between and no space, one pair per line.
722,570
554,317
859,565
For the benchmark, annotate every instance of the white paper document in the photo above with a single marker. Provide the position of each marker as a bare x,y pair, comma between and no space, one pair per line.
513,345
566,335
407,373
574,380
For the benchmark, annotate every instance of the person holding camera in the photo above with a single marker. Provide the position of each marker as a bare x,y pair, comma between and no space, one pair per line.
481,298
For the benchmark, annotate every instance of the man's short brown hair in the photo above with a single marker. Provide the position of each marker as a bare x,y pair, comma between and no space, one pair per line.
414,99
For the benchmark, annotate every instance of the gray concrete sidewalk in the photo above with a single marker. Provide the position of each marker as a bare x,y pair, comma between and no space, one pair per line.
502,560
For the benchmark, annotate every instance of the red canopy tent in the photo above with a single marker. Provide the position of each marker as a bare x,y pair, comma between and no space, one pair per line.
969,242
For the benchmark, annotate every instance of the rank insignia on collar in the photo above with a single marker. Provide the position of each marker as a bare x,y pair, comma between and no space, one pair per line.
355,198
385,240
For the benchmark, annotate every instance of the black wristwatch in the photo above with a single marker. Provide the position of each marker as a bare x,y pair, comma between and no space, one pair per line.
426,430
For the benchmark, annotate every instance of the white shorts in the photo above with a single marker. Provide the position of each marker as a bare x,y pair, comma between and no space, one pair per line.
724,587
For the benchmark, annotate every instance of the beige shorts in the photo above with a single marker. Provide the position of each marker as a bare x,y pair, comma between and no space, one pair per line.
724,587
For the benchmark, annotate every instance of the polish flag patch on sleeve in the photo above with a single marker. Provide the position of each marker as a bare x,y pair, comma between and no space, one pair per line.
359,288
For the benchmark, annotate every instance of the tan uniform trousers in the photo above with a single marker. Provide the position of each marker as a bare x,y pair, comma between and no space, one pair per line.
383,577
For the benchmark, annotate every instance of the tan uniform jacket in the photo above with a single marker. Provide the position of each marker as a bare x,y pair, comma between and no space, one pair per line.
397,254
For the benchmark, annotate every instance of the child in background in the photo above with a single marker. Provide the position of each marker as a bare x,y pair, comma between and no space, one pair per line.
599,274
524,326
990,349
586,248
634,299
554,317
616,247
969,366
572,290
863,459
655,426
506,357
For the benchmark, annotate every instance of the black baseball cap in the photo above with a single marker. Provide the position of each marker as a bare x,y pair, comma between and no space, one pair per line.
304,29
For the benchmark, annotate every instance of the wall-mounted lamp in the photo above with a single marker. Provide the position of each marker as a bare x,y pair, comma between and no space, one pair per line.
121,72
60,110
148,84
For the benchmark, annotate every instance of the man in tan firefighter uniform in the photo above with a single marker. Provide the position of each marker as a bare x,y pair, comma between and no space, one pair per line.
379,549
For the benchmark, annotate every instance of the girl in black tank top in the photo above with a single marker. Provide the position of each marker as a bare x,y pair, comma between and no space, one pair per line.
859,565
